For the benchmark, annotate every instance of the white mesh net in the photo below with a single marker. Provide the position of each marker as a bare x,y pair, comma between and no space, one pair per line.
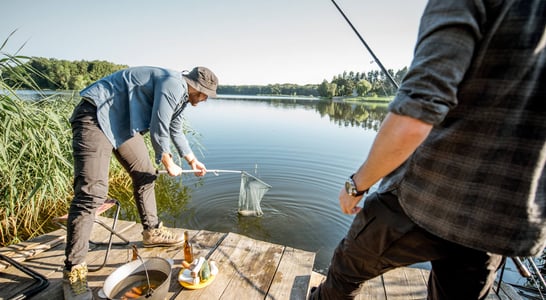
251,194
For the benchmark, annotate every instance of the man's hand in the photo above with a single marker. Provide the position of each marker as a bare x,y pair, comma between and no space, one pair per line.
348,203
172,168
195,165
396,140
199,167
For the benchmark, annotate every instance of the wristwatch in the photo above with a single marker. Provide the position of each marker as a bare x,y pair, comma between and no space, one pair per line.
350,188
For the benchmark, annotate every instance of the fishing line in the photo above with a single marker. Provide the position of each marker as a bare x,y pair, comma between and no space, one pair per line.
367,47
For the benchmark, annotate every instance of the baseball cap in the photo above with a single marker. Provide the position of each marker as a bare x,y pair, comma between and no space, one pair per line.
203,80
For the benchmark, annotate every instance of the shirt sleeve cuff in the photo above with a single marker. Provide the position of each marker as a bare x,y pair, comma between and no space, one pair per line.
428,111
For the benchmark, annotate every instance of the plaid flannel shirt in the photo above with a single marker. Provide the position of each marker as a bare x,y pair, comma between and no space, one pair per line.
479,76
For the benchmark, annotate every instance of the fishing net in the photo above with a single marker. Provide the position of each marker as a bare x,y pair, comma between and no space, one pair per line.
250,195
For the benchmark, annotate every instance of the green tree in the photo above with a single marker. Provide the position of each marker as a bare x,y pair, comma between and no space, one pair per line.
323,89
60,73
363,87
332,90
57,74
326,89
77,82
400,74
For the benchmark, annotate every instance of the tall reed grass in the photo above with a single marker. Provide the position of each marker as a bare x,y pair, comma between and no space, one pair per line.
35,156
36,165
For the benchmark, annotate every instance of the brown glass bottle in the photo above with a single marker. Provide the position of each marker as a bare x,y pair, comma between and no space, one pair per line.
188,248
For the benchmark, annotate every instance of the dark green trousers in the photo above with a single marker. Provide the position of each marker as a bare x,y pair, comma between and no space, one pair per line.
92,153
382,237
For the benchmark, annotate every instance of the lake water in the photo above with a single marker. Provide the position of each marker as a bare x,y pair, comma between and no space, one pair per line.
304,149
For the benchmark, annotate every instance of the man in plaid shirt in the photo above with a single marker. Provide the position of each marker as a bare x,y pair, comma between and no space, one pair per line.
461,156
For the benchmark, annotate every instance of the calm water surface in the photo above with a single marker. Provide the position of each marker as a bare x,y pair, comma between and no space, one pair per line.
304,151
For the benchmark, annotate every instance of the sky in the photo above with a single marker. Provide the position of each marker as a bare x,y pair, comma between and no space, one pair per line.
254,42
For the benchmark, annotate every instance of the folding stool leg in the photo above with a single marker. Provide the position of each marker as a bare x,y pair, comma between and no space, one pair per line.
113,232
112,228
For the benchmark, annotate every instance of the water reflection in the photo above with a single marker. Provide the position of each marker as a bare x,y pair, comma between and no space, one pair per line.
172,197
45,95
368,116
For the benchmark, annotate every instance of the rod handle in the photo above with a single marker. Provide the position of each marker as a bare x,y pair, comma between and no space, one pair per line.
522,269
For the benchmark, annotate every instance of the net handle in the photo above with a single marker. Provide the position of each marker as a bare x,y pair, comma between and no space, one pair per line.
159,172
215,172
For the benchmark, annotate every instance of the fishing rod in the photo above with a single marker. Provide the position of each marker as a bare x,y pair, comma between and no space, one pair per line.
366,45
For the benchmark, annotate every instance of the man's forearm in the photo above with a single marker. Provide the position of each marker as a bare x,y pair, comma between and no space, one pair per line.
396,140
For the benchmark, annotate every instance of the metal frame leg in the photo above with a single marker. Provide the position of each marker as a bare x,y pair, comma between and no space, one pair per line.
41,281
535,276
112,230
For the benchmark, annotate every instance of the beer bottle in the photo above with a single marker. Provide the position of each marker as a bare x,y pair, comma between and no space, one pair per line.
188,248
135,252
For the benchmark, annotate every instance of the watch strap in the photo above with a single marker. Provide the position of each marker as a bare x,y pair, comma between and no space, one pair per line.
358,193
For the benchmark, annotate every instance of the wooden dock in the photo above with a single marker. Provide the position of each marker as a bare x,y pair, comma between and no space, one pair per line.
248,269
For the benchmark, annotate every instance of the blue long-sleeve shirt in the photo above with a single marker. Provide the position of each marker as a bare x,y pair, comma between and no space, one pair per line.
142,99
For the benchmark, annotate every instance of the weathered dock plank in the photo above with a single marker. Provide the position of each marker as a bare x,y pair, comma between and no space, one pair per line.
249,269
405,284
507,292
373,289
26,250
409,283
292,278
246,268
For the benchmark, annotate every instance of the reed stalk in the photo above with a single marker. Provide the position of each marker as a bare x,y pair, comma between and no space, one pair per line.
35,165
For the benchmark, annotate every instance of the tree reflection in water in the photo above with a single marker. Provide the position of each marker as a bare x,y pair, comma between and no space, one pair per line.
365,115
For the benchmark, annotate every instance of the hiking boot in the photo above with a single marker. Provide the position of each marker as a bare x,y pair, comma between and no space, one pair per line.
75,283
161,236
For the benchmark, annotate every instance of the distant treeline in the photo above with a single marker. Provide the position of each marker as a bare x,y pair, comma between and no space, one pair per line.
270,89
373,83
55,74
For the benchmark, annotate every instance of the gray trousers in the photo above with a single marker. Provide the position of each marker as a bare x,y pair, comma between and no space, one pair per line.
92,153
382,237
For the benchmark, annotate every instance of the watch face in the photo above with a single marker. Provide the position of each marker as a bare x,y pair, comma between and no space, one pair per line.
349,187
